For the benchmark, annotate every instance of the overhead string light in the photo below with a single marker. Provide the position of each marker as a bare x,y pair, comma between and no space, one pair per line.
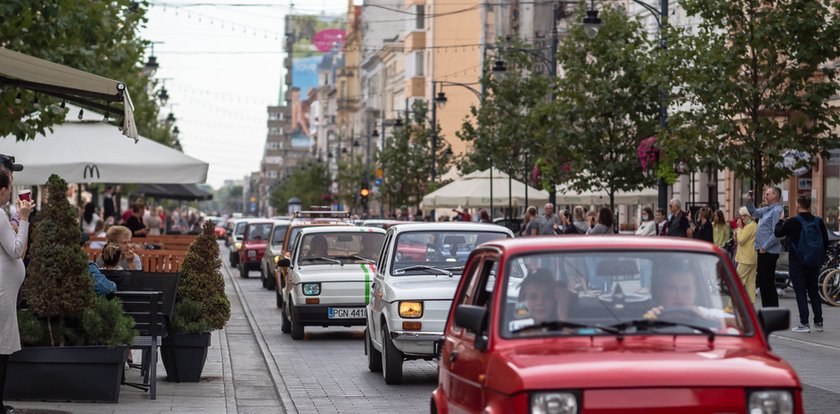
221,22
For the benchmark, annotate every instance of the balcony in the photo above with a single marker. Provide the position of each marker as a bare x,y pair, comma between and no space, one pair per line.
415,41
415,87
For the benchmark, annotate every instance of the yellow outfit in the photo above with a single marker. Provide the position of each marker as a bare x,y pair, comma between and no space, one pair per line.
747,258
720,234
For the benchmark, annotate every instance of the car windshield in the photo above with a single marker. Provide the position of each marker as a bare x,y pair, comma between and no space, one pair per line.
661,292
240,228
259,231
421,252
340,247
279,233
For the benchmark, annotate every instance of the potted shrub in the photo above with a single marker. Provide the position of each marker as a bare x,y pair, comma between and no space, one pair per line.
75,344
201,307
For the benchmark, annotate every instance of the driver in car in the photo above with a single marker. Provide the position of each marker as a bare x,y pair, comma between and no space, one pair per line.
317,246
542,298
677,296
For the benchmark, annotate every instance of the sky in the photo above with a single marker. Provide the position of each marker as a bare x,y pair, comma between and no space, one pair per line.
221,63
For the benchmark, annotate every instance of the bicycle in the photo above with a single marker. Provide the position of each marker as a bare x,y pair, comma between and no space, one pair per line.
830,287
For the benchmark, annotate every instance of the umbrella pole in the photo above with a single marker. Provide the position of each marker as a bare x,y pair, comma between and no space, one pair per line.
492,216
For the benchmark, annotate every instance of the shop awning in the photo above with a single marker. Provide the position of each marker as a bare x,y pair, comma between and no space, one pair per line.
65,82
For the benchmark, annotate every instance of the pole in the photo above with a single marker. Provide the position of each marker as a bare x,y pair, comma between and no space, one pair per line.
434,129
663,108
367,165
382,148
491,191
552,70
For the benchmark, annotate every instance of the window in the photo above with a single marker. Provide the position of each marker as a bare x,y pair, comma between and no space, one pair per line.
275,131
420,17
418,63
274,160
272,145
275,116
272,174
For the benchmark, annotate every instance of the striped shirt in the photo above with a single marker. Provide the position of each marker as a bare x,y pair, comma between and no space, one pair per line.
767,218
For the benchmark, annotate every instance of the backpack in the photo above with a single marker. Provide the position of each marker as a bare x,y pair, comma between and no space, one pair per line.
810,250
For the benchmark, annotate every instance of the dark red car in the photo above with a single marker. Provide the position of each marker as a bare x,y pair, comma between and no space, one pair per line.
609,325
254,240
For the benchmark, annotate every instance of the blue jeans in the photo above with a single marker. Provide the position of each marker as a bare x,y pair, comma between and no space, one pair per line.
804,282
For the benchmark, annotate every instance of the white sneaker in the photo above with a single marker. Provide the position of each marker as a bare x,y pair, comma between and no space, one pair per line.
802,329
819,327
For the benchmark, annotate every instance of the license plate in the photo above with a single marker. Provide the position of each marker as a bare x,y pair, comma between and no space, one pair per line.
347,313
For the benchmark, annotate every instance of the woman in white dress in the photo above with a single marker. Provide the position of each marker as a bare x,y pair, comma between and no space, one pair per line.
12,272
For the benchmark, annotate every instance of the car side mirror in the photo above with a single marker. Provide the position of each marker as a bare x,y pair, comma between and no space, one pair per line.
773,319
284,263
470,317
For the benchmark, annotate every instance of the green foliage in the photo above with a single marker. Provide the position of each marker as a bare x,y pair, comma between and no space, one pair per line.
755,78
105,324
59,286
202,281
606,103
188,317
97,37
351,174
512,122
406,160
310,184
33,330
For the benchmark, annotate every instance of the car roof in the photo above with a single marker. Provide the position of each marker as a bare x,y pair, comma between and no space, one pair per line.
260,221
449,226
281,222
341,229
593,243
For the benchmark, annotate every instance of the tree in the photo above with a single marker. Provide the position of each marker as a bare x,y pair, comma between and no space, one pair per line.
202,284
756,83
97,37
309,184
59,286
351,173
605,105
406,160
510,124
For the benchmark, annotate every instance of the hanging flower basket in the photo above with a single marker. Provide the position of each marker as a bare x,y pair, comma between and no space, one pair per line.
648,154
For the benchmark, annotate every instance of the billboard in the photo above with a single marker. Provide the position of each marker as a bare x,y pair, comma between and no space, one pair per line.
316,43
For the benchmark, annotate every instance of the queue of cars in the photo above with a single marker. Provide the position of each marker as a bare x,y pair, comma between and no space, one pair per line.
609,324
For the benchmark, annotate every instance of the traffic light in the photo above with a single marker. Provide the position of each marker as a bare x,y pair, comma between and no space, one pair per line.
364,192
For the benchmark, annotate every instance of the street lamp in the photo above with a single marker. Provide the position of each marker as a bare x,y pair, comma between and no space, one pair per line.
591,25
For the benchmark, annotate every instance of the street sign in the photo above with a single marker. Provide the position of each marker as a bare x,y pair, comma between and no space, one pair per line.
378,181
253,206
378,173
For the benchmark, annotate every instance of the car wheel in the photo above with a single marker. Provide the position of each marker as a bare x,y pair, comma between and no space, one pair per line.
296,328
392,360
243,271
232,260
270,283
263,279
285,324
374,357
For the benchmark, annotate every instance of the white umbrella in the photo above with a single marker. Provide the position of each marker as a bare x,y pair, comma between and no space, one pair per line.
473,191
644,196
96,152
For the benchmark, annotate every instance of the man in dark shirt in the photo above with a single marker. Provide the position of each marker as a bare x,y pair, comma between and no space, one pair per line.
135,222
804,278
108,205
678,224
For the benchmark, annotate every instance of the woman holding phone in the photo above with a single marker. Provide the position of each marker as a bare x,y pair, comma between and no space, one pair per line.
12,272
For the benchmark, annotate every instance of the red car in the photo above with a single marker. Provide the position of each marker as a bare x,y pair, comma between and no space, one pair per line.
254,240
609,325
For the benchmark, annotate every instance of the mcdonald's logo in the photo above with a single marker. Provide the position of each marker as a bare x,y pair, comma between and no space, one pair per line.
91,168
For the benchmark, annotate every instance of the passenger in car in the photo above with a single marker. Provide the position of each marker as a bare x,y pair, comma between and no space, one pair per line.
542,298
677,293
317,246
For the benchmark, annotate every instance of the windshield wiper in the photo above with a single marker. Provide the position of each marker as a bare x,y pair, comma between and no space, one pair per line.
357,257
658,323
422,267
558,325
454,268
328,259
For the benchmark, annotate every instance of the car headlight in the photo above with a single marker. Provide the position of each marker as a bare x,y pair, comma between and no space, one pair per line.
311,289
237,245
276,259
554,403
771,402
252,253
411,309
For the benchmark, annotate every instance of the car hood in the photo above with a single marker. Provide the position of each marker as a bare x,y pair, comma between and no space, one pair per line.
348,272
425,287
588,367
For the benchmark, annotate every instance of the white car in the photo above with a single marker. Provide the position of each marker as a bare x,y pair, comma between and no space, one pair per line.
416,278
329,277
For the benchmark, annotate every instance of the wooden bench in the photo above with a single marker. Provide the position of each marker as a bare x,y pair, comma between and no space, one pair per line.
168,242
149,298
151,260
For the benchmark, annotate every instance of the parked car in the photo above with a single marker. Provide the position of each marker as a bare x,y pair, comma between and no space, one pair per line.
220,230
234,238
412,292
273,253
330,272
254,241
563,325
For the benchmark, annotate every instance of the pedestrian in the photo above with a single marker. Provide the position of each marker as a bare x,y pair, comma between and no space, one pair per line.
12,273
566,226
108,203
661,219
152,222
135,222
604,225
484,217
702,228
580,220
532,223
745,255
766,243
548,220
807,240
89,219
648,226
121,236
678,225
721,232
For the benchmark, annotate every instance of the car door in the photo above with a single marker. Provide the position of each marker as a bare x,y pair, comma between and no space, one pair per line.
377,302
465,363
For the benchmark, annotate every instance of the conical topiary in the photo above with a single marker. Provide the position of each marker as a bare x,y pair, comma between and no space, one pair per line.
58,286
202,281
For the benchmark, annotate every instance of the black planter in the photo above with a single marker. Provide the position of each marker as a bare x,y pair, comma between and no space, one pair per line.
184,355
71,373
